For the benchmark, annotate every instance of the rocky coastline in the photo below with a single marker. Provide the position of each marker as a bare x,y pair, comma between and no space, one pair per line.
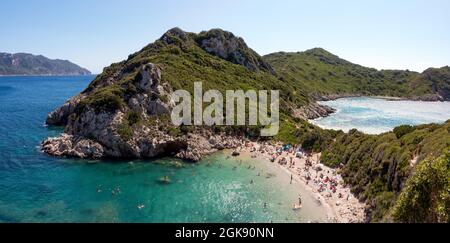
90,134
313,111
125,111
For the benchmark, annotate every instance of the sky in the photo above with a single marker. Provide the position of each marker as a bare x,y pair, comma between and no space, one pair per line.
384,34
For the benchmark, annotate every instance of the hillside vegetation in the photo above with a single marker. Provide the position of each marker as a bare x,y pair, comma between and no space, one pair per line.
378,166
324,75
124,113
184,58
426,196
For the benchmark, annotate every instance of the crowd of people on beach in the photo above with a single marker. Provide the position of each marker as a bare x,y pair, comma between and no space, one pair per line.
289,156
307,167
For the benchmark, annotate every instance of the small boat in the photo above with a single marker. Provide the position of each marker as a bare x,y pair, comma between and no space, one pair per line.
235,153
164,180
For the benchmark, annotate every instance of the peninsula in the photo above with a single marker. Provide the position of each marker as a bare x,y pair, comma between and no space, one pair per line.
125,113
24,64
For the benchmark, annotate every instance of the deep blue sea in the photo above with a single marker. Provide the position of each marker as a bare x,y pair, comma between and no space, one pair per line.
35,187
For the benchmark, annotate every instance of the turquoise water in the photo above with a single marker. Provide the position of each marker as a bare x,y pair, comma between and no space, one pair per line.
37,188
375,116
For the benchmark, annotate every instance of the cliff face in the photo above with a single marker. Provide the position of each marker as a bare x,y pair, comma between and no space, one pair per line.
125,111
27,64
234,49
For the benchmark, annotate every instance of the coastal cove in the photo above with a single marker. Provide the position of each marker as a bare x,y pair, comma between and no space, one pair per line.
376,115
36,187
189,117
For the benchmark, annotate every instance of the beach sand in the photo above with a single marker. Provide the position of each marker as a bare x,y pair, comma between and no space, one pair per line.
326,185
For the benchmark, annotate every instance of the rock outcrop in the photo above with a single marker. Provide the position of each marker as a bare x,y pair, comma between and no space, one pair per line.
313,111
68,145
97,134
109,131
125,112
234,49
60,116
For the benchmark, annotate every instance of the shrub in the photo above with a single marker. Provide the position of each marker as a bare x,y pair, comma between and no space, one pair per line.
125,131
186,129
311,140
403,130
174,131
108,99
133,117
426,197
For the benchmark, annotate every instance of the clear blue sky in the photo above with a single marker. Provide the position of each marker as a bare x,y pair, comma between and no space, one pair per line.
394,34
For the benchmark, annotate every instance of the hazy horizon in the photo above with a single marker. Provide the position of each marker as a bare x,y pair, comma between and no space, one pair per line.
378,34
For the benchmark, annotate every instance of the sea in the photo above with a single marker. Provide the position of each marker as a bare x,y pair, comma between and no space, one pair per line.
376,116
35,187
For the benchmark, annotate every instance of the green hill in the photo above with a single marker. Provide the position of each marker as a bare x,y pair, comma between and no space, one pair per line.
432,81
217,58
131,99
124,113
326,75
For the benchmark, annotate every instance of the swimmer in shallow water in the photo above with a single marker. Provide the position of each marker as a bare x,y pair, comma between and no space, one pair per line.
296,207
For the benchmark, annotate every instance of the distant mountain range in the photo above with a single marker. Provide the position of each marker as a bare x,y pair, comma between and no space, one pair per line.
28,64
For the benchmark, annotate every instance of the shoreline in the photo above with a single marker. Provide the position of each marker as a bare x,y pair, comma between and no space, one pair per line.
340,204
382,97
332,110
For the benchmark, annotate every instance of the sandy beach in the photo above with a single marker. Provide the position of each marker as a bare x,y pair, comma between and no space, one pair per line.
325,183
